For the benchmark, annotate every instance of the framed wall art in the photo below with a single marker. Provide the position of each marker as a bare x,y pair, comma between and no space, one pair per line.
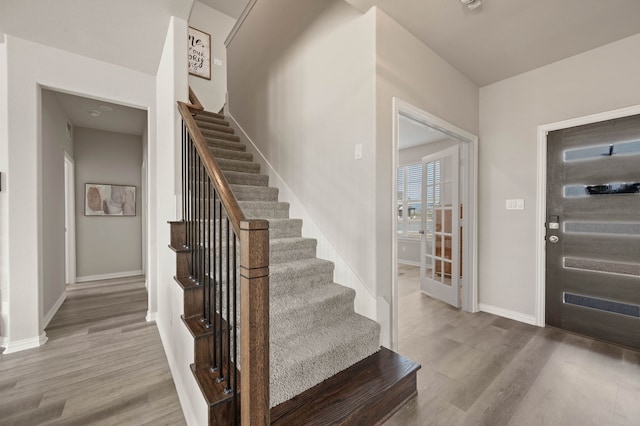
109,200
199,53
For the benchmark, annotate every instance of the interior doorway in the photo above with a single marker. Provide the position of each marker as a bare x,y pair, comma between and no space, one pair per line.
69,220
423,226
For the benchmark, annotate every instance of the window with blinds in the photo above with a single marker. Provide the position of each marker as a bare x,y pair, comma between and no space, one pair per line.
409,200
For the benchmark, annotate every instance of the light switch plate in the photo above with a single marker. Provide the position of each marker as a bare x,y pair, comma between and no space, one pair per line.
515,204
217,61
358,151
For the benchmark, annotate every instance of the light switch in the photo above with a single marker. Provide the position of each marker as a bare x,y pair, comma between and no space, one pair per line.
358,152
217,61
515,204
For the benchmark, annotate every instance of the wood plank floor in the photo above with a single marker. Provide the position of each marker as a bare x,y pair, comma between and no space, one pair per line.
103,364
480,369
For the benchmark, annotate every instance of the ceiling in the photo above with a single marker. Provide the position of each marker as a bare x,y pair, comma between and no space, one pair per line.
113,117
504,38
413,133
130,33
231,8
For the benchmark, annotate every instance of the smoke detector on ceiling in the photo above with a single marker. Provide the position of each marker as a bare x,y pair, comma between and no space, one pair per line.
472,4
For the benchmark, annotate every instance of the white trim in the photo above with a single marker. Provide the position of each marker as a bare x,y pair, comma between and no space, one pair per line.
108,276
506,313
54,309
470,292
151,316
70,221
541,193
24,344
366,301
239,22
408,262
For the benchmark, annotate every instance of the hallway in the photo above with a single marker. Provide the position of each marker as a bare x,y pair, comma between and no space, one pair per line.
103,364
480,369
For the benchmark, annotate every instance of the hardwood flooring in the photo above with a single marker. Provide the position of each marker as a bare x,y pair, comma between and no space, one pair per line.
103,365
480,369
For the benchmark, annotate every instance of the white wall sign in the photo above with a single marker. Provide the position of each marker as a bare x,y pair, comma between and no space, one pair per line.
199,53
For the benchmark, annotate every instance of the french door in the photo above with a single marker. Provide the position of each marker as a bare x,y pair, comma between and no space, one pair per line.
440,233
593,230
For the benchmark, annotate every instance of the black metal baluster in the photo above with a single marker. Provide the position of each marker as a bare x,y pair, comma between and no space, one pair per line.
230,320
213,255
207,247
192,203
220,306
235,334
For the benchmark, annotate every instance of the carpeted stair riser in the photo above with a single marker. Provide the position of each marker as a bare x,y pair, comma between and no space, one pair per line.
264,209
239,178
300,311
230,154
314,332
219,135
299,275
224,144
303,360
278,228
254,193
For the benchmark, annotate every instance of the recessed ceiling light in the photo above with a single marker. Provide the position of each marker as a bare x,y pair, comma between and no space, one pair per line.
106,108
94,113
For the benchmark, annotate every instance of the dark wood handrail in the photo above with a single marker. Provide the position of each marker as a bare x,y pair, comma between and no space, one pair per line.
194,105
211,165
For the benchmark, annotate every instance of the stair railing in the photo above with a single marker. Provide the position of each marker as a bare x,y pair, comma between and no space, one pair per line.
223,242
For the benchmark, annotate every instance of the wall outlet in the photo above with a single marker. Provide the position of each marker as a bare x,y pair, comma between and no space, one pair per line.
358,152
515,204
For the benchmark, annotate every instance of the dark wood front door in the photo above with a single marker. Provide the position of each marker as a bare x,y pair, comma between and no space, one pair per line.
593,230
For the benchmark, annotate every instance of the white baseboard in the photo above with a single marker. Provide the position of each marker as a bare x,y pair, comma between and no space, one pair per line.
108,276
151,316
49,316
506,313
408,262
24,344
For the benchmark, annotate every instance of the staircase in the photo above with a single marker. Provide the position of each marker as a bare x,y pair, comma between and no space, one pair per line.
326,365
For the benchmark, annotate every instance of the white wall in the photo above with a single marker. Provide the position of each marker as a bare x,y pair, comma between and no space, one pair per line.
411,71
4,198
212,92
107,245
599,80
30,66
304,92
54,144
171,85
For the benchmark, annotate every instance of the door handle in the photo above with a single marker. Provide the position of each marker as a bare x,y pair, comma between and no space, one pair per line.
553,239
421,231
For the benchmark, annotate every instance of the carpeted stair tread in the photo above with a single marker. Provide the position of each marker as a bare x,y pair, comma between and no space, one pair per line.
255,193
225,144
303,360
264,209
238,165
240,178
295,312
284,249
231,154
210,114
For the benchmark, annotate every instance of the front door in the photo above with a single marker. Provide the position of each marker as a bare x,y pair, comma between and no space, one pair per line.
593,230
440,250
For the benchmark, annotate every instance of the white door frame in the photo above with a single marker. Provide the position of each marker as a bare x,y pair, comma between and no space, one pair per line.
541,194
70,219
470,268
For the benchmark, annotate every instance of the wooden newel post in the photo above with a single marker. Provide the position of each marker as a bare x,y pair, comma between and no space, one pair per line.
254,322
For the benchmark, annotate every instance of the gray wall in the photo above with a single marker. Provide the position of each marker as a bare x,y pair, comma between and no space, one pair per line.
511,110
107,245
54,144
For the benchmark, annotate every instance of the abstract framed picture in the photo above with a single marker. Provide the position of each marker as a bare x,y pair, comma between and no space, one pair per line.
109,200
199,51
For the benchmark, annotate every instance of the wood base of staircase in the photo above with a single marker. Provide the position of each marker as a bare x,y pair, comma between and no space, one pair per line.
367,393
